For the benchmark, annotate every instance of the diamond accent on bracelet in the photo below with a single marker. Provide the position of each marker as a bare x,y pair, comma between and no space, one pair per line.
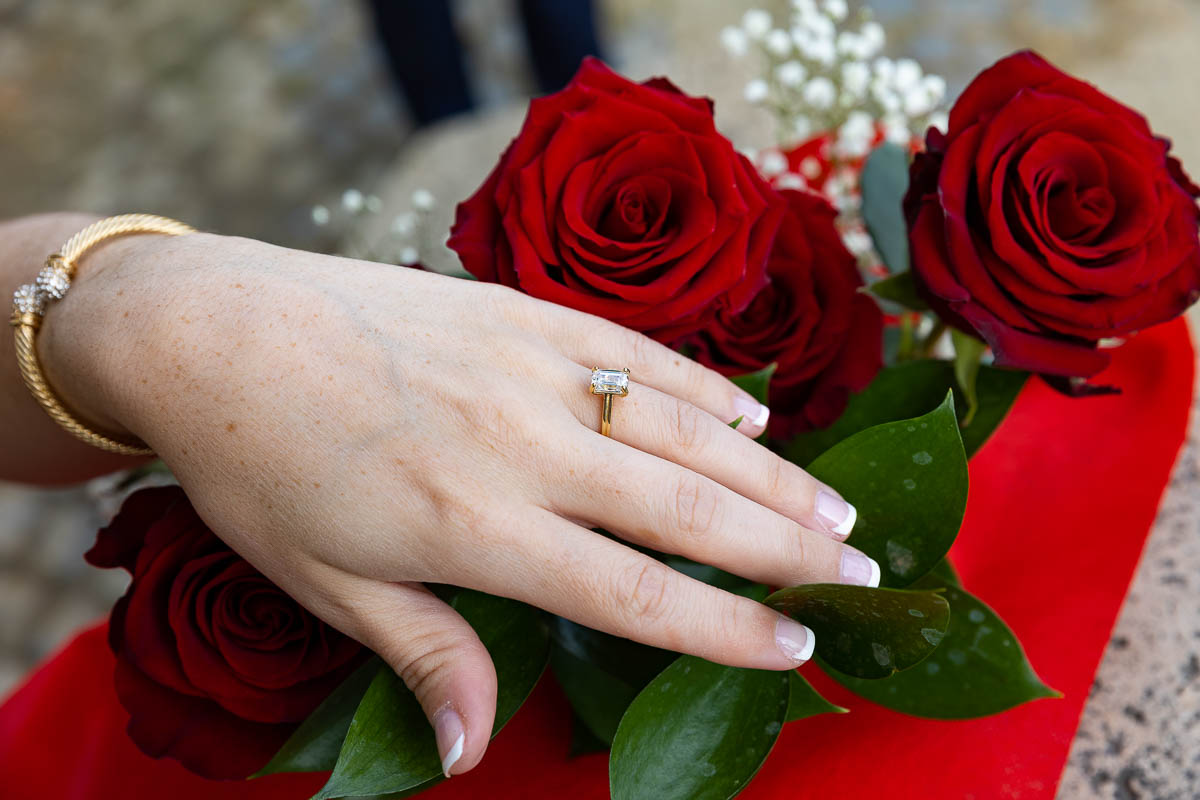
610,381
54,280
28,299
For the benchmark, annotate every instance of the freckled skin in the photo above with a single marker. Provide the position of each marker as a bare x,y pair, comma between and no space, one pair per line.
356,430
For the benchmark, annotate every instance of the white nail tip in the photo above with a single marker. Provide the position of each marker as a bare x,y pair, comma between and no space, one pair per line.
453,754
875,573
847,525
760,419
810,644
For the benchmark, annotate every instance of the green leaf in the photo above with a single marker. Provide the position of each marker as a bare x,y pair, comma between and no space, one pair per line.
908,481
967,352
601,674
390,745
315,744
758,383
979,669
737,422
583,741
946,574
699,731
884,181
909,389
868,633
899,289
804,701
599,698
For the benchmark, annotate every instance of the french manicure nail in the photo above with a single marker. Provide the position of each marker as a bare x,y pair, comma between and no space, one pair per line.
836,514
450,734
753,413
858,568
794,640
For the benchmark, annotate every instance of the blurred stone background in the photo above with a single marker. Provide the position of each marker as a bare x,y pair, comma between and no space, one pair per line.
238,116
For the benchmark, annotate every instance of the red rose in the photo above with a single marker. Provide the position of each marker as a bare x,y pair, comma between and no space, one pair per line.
215,664
825,335
622,200
1049,218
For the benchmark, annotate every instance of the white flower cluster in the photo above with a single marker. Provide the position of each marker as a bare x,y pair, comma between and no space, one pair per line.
400,244
824,73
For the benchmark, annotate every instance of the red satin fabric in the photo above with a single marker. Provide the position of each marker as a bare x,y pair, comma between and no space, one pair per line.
1061,502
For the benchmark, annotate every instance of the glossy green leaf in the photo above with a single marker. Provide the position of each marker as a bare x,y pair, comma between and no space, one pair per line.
804,701
699,731
908,481
868,633
967,352
599,698
390,746
899,289
737,422
884,181
979,669
758,384
635,664
315,744
945,574
909,389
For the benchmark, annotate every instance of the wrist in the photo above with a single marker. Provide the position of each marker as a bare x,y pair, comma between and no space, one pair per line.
95,342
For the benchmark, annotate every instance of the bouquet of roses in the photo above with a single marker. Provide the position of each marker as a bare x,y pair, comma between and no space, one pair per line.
1033,230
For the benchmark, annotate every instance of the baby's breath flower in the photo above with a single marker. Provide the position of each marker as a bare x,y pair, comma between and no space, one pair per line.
423,200
908,74
791,73
409,256
940,120
856,76
837,9
873,35
778,43
373,204
756,91
756,23
735,41
404,224
353,200
772,163
320,215
820,93
790,180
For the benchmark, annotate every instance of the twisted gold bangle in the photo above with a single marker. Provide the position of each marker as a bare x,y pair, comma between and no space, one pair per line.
29,309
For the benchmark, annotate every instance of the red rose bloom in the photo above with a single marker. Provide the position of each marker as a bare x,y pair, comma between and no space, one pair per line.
215,664
1049,217
622,200
825,335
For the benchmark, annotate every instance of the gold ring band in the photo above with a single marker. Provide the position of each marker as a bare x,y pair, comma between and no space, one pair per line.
609,383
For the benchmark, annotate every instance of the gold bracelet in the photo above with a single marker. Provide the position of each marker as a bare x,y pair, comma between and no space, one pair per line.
29,308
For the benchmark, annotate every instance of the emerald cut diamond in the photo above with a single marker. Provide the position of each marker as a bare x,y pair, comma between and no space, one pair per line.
610,381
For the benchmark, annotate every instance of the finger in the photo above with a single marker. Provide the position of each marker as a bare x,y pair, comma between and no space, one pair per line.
583,576
437,655
677,431
671,509
598,342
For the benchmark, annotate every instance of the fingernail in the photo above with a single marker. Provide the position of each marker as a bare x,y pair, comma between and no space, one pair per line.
753,413
794,640
450,734
835,514
858,568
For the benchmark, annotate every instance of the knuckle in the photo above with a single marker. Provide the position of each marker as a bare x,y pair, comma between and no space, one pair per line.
641,352
436,653
776,478
697,507
644,594
689,428
796,553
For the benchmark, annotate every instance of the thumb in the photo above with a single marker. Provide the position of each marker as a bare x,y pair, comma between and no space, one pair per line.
440,658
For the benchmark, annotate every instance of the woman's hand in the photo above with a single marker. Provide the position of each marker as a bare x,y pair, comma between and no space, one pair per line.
356,430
